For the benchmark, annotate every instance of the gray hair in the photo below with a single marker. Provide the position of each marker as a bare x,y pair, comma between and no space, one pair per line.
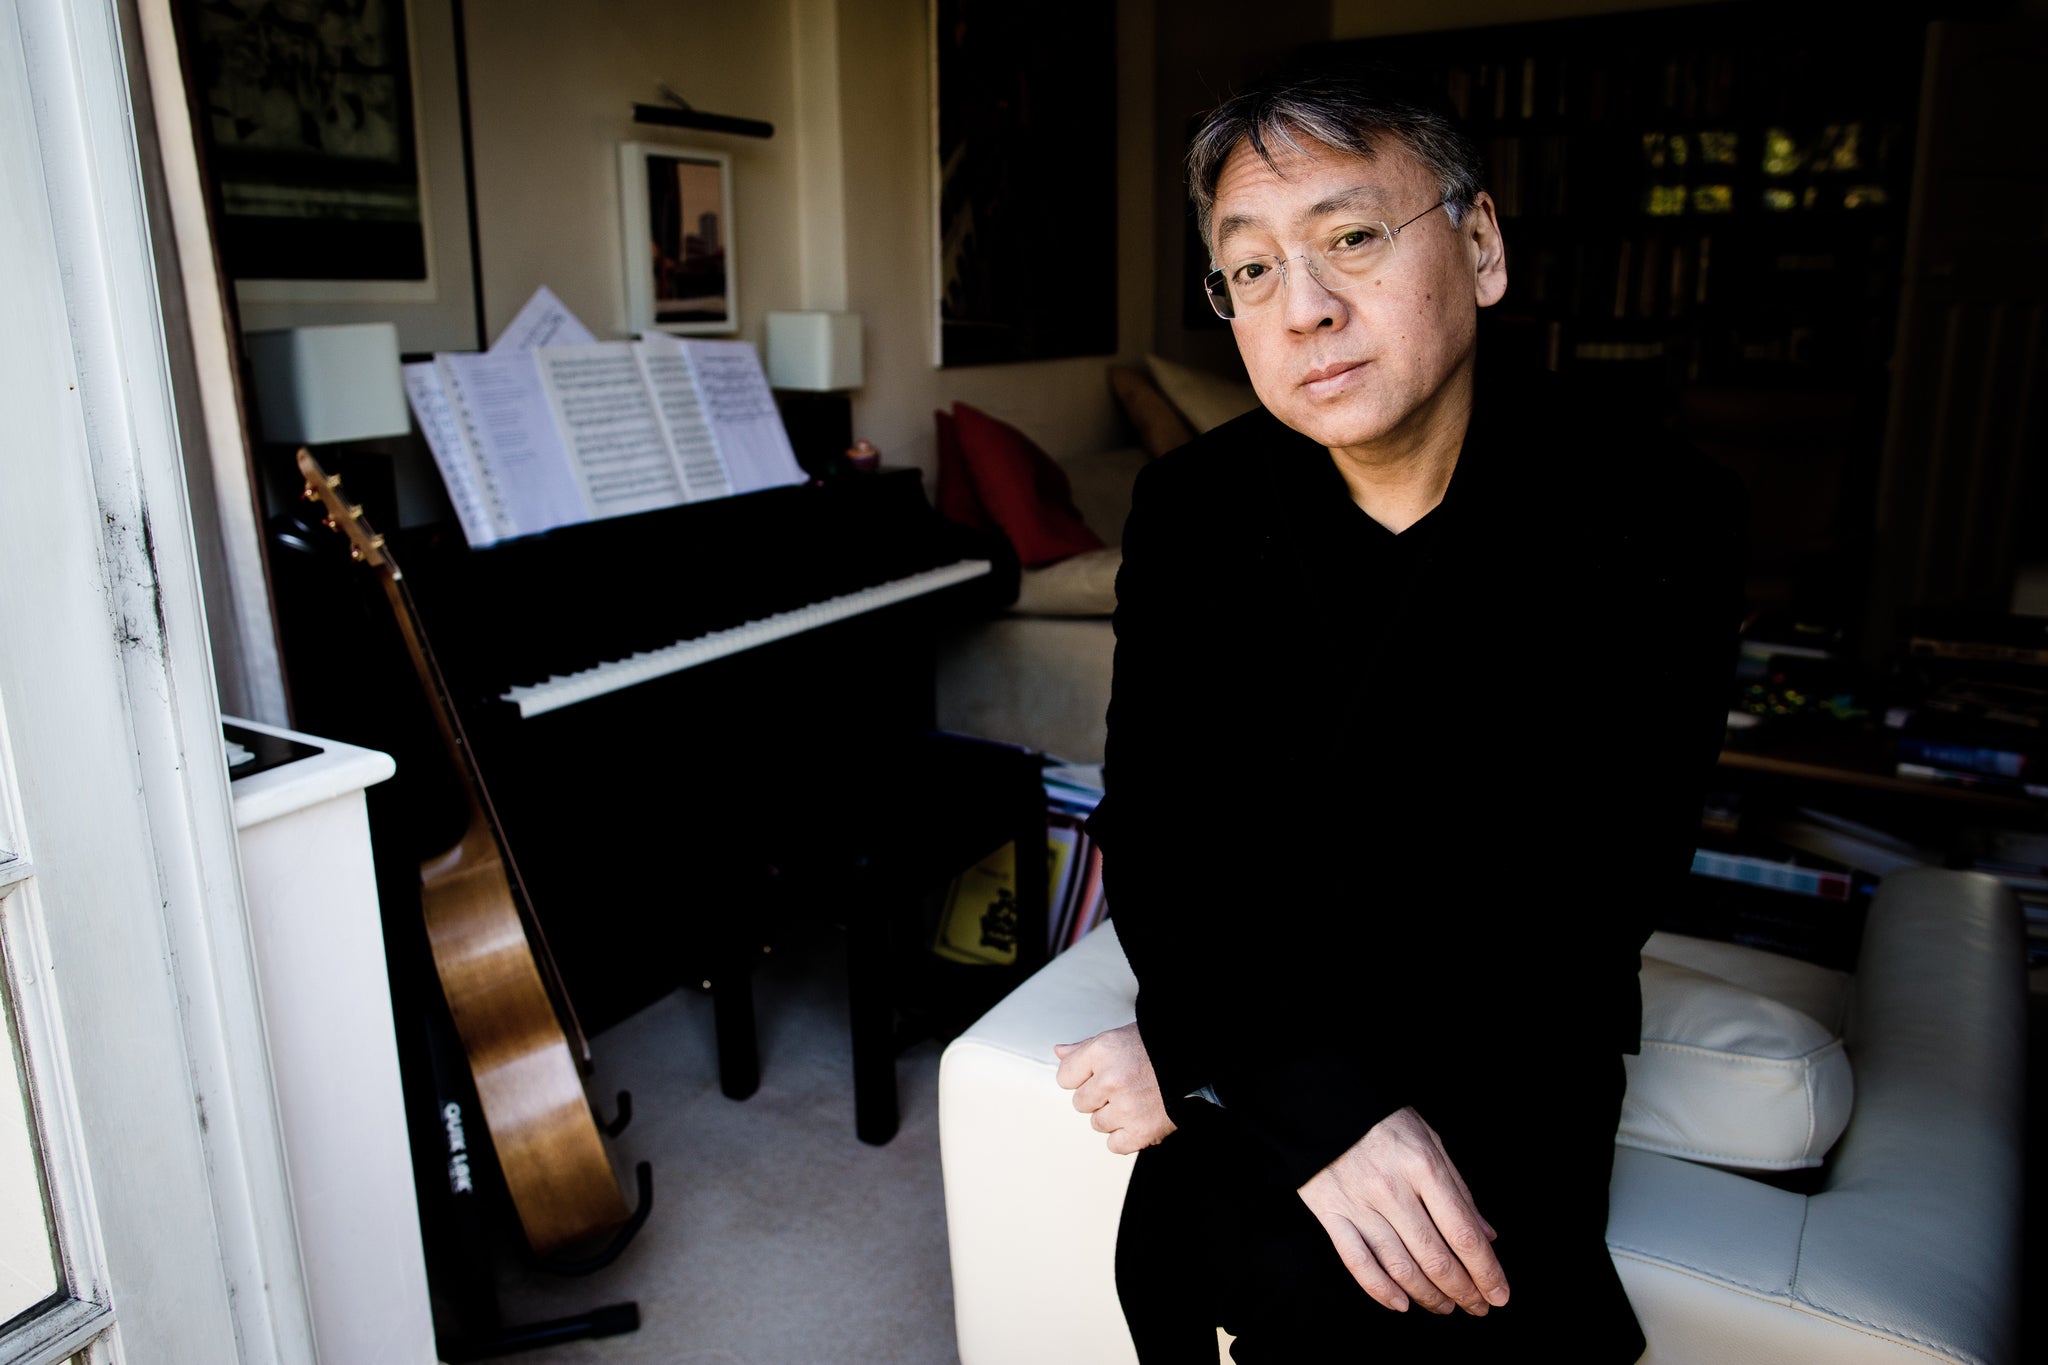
1345,113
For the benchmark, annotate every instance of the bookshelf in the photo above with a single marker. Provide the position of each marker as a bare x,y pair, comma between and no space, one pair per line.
1705,216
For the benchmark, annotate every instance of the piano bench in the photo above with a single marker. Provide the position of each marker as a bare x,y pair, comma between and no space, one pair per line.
934,808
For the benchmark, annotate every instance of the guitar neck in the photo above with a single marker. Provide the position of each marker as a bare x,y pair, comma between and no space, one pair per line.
482,816
368,548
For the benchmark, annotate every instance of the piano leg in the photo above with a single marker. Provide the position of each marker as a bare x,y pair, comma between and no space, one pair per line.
732,1019
872,1015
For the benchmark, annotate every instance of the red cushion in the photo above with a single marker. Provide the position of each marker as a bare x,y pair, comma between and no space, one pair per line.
955,494
1020,488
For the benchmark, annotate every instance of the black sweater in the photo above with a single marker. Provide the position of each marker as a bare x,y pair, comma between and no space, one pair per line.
1383,808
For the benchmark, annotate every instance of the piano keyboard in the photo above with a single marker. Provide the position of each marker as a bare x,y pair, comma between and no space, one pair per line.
555,693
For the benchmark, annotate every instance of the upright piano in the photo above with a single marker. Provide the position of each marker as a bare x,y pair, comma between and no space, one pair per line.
672,711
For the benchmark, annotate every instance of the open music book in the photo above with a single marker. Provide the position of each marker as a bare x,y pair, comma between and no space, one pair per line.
532,436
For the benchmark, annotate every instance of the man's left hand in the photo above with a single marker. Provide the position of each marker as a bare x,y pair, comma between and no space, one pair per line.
1113,1083
1403,1221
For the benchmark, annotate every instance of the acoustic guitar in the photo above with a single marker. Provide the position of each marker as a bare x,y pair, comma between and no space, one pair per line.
518,1031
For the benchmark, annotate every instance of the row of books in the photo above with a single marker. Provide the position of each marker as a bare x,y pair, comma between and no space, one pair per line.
1980,716
1794,881
2019,858
978,919
1680,88
1810,853
1072,791
1825,858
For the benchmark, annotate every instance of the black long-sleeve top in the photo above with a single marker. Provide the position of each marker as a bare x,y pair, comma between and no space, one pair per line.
1379,806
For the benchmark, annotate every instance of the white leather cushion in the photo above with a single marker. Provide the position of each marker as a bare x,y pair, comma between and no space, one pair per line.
1732,1078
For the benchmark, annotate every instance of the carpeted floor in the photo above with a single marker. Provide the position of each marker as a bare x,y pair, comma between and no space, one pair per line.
778,1238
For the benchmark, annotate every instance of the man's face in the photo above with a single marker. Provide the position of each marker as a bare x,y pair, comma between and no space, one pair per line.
1369,365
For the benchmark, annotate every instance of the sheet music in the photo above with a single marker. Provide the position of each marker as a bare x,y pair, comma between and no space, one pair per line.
551,427
489,485
543,321
452,454
675,402
615,439
504,409
742,415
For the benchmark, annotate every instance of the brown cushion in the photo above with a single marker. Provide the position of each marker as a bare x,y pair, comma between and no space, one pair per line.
1160,428
1205,400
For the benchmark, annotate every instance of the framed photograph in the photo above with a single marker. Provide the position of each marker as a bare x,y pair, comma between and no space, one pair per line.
675,208
333,134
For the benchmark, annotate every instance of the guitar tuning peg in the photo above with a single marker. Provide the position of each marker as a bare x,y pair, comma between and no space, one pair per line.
355,510
309,494
334,480
330,523
355,552
377,541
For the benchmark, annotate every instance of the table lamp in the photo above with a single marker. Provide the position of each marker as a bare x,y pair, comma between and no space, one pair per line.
813,360
316,386
815,352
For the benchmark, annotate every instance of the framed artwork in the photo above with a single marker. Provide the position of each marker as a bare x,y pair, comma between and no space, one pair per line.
335,151
675,211
1024,181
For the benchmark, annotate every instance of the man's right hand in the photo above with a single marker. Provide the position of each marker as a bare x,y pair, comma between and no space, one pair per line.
1404,1223
1113,1083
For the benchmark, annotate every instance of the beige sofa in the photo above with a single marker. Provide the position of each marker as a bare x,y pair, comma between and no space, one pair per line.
1904,1246
1039,675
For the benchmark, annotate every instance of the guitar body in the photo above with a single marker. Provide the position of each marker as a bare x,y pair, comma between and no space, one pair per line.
527,1080
518,1030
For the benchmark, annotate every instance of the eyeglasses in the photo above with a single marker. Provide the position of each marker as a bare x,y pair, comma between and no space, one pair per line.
1348,258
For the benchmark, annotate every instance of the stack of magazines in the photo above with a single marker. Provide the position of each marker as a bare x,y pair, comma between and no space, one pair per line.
1072,791
1974,732
978,917
2019,858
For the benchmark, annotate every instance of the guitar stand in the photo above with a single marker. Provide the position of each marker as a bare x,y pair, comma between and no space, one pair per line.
490,1336
610,1321
475,1208
643,1175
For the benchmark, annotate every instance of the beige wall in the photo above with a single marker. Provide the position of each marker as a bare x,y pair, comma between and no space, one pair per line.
551,90
847,85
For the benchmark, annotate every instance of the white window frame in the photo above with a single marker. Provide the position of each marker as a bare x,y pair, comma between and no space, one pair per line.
129,946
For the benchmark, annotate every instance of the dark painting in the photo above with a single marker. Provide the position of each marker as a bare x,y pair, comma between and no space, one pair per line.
1027,181
306,109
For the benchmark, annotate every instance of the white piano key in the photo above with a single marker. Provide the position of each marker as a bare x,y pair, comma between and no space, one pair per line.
645,665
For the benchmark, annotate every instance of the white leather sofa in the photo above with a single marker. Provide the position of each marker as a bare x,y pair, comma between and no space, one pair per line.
1907,1248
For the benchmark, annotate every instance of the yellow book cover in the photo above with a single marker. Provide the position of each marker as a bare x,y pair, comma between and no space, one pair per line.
978,918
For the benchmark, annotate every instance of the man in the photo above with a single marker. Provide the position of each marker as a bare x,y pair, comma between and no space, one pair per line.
1419,676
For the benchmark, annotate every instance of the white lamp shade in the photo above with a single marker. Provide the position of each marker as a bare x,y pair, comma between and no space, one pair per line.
320,384
818,351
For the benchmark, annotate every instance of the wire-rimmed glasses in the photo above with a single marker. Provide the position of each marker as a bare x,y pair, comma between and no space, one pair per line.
1348,257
